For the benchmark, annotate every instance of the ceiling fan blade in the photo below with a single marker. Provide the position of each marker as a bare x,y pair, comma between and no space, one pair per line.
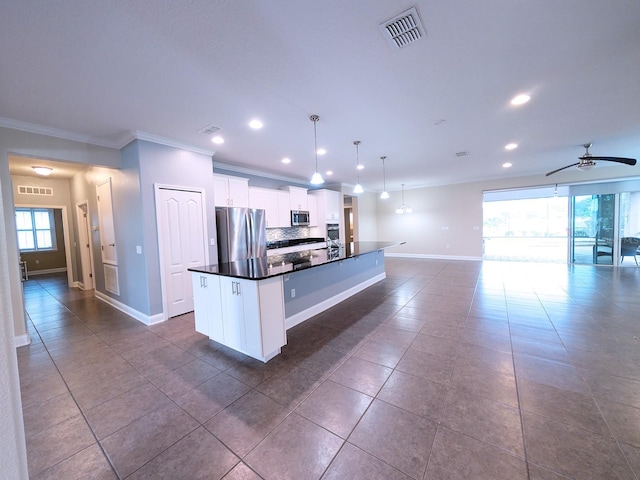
628,161
556,171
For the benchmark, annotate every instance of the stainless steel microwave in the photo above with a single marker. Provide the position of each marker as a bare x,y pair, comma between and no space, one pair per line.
299,218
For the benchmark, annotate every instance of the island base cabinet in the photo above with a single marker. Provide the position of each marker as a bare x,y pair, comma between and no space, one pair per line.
246,315
207,306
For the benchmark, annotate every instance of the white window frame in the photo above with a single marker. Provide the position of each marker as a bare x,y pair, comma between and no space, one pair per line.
34,230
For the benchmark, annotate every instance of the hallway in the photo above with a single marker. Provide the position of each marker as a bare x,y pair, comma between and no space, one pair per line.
446,369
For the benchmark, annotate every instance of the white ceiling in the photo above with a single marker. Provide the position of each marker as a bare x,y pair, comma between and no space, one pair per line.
102,70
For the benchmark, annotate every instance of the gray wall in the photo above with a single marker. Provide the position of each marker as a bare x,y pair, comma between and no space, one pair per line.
170,166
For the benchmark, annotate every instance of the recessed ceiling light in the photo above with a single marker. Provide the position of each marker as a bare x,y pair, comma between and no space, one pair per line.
329,172
511,146
218,140
286,160
45,171
255,124
520,99
321,151
360,167
506,165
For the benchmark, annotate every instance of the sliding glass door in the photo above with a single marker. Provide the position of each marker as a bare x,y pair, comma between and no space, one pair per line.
593,226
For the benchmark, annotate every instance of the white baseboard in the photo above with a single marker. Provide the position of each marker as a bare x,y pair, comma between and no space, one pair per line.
132,312
438,257
22,340
300,317
33,273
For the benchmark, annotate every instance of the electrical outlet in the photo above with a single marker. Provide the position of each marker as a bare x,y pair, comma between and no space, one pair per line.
293,293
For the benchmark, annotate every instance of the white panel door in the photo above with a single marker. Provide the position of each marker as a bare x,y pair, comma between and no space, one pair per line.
106,223
182,232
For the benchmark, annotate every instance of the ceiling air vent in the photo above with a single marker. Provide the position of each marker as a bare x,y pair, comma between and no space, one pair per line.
209,129
403,29
28,190
464,153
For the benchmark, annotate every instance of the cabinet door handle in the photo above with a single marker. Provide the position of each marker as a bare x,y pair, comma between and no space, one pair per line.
233,288
238,289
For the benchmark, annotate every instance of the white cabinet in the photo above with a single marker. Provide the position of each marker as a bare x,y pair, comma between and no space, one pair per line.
284,208
268,199
246,315
240,311
207,307
297,198
328,205
312,204
230,191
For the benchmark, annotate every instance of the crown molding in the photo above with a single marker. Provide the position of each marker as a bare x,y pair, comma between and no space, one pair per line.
150,137
256,173
53,132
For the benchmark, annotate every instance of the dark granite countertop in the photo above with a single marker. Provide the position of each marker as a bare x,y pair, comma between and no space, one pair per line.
293,242
266,267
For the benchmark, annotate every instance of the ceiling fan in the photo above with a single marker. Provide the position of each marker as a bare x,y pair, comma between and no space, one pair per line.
588,161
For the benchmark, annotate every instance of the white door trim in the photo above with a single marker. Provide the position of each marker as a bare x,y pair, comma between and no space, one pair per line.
65,233
161,247
86,264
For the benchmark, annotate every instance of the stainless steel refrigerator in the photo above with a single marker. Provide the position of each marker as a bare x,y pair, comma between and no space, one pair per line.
242,233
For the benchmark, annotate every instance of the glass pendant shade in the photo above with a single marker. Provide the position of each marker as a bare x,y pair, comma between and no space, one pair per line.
358,188
317,179
384,195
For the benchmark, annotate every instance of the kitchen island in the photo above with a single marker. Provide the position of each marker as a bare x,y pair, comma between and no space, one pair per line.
248,305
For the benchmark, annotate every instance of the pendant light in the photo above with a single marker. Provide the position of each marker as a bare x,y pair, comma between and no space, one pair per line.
402,208
316,179
384,195
358,188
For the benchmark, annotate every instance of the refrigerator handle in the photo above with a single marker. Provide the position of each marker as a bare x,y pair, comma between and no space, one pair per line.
251,233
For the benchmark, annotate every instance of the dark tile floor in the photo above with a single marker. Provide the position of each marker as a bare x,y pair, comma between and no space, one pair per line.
445,370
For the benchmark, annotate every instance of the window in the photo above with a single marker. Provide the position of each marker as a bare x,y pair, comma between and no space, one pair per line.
36,229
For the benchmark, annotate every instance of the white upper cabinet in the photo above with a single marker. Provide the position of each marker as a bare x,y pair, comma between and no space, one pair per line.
230,191
312,203
297,198
267,200
284,209
328,205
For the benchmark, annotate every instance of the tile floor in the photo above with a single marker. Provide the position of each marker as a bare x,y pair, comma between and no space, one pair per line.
445,370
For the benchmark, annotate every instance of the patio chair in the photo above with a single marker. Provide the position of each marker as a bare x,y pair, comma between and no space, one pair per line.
629,248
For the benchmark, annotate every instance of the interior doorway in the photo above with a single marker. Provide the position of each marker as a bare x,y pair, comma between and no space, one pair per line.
61,255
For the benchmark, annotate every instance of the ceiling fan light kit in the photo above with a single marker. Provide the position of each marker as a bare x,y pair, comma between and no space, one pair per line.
588,161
